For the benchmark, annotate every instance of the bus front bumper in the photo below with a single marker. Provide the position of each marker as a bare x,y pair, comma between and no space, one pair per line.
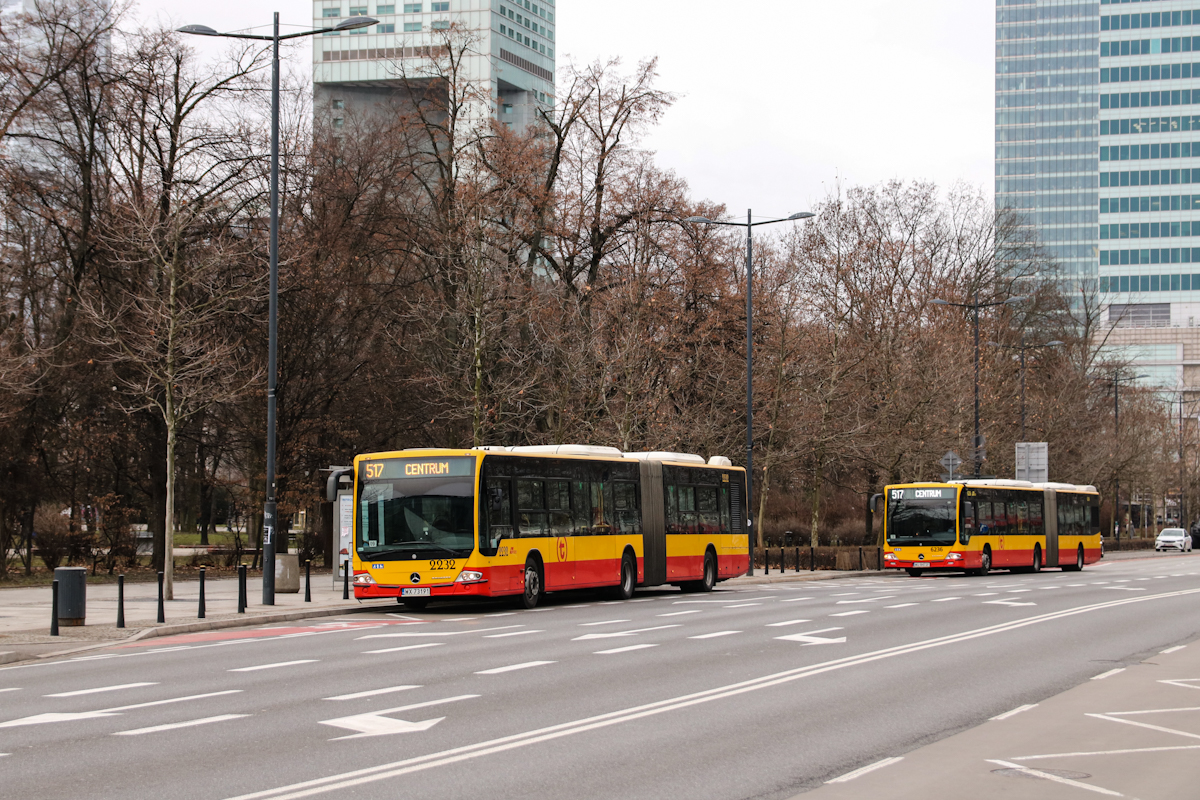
969,560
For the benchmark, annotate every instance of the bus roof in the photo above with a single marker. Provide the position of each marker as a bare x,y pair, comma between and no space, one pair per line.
578,451
1004,483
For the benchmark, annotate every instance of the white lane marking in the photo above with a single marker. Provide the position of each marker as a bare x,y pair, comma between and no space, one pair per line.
1146,725
641,600
39,719
443,633
502,614
458,619
1014,712
79,692
1047,776
405,647
511,633
851,613
375,723
615,621
795,599
511,667
273,666
374,692
987,594
714,635
14,689
858,773
1018,591
865,600
785,623
1112,752
724,600
1152,711
172,726
945,599
1125,588
395,769
1075,585
743,605
614,634
901,605
845,594
677,613
1108,674
1013,603
1175,649
811,637
628,649
1043,588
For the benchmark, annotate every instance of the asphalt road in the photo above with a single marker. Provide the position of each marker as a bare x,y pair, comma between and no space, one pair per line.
759,691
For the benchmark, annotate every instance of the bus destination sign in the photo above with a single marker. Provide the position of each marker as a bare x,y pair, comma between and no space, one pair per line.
922,494
393,468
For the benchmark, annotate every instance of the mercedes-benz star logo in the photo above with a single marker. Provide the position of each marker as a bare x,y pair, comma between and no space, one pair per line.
415,577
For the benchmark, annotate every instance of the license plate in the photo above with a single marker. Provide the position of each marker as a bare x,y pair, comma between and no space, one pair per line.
919,564
422,591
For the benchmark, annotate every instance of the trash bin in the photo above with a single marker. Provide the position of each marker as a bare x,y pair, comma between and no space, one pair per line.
72,594
287,573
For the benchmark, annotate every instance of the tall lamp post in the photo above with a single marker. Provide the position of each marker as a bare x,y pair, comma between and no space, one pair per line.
750,226
1022,347
1115,379
351,23
975,305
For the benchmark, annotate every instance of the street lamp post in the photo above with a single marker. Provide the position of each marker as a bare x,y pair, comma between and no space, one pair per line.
975,305
351,23
1115,378
750,225
1022,347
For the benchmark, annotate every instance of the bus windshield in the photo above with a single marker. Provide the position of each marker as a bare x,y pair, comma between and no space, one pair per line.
921,516
413,506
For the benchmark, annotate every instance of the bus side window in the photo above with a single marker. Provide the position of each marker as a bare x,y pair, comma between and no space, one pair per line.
1022,517
531,508
983,517
968,525
1036,526
581,507
558,502
725,526
498,494
625,502
687,509
672,509
1095,506
601,508
1012,528
709,518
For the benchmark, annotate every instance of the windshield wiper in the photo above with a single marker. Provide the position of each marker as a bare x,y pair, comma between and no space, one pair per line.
443,548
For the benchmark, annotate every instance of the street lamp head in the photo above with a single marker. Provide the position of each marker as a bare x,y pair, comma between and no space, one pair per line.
350,23
1054,343
801,215
1012,301
198,30
940,302
699,220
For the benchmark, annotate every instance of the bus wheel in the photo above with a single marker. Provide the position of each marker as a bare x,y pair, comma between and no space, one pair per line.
415,603
1037,559
533,584
916,573
709,580
985,563
624,589
1078,565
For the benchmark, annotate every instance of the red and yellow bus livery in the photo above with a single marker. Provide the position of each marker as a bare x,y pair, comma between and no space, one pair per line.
979,525
521,521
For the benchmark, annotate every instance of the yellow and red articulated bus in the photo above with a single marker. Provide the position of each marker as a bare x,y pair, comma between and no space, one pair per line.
521,521
979,525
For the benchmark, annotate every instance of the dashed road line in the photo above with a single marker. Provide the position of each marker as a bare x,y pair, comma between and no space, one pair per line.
851,613
1175,649
257,667
615,621
174,725
858,773
714,635
510,633
945,599
627,649
405,647
785,623
97,690
1108,674
1014,712
374,692
901,605
512,667
677,613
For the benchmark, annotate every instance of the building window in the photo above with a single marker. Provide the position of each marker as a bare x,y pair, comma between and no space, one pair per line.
440,7
390,8
507,108
440,24
331,12
412,26
358,11
338,122
338,104
550,52
388,28
413,8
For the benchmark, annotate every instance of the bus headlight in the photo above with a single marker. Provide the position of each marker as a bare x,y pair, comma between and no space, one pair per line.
469,576
364,579
889,556
954,556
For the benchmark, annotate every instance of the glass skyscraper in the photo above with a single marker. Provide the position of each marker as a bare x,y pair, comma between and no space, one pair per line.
1098,147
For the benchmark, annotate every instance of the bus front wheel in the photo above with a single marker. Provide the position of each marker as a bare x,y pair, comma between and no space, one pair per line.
624,589
985,563
1037,559
415,603
1078,565
533,584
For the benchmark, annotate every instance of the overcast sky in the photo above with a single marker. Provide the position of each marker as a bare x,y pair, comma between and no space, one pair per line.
780,99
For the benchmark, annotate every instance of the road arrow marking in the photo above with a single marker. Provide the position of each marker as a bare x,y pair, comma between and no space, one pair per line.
1007,603
812,638
615,634
375,723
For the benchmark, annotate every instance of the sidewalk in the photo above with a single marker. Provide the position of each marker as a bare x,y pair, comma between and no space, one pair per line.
1128,732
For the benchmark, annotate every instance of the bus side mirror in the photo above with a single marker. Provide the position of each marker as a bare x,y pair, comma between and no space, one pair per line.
335,477
875,498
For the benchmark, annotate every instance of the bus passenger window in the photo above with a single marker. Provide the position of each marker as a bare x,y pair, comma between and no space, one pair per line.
672,509
625,504
709,518
687,509
1035,518
499,512
558,502
581,508
983,518
1022,517
601,508
531,505
967,526
725,526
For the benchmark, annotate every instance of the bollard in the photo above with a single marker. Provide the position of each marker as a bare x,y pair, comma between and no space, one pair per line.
766,561
346,580
241,588
860,560
54,608
797,558
200,615
782,561
308,581
162,613
120,601
812,563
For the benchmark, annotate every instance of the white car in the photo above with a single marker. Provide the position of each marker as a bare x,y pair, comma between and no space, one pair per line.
1173,539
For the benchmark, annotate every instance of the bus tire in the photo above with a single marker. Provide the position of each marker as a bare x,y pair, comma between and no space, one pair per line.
415,603
1078,565
709,580
916,573
533,584
1037,559
985,563
624,589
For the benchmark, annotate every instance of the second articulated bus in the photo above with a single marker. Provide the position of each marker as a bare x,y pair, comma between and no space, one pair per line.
978,525
522,521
